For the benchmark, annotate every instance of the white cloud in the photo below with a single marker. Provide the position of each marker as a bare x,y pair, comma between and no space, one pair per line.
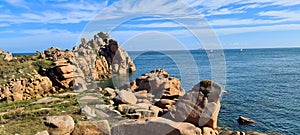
225,11
60,13
83,5
284,14
241,22
279,27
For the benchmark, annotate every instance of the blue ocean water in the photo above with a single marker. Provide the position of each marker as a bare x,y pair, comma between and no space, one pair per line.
261,84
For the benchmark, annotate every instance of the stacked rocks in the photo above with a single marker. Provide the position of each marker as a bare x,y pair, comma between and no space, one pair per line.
158,88
24,89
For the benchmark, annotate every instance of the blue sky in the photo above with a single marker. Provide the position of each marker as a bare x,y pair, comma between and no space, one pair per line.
27,26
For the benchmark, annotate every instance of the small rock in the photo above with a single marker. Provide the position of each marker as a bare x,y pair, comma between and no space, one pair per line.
42,133
256,133
47,100
244,120
88,111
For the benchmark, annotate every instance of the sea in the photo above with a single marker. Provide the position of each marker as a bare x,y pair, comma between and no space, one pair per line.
260,84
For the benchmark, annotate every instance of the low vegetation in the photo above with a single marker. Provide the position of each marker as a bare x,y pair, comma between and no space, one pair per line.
21,67
24,117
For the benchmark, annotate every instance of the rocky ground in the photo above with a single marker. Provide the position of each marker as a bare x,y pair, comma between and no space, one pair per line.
50,93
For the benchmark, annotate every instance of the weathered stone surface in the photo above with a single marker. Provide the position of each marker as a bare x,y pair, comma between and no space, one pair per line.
208,131
92,128
8,56
154,126
110,92
126,97
200,106
158,87
89,112
23,89
59,125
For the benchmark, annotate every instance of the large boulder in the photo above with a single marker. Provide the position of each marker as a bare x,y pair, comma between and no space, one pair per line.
200,106
59,125
92,128
125,97
154,126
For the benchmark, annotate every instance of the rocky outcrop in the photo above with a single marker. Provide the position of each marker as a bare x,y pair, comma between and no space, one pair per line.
24,89
101,57
59,125
117,58
200,106
158,88
95,59
154,126
6,56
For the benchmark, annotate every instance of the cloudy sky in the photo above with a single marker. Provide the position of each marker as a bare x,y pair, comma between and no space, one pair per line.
27,26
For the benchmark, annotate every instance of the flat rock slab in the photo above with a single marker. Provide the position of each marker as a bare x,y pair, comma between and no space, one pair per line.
68,94
47,100
89,98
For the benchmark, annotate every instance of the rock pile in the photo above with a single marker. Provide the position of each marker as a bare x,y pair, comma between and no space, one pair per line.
24,89
158,88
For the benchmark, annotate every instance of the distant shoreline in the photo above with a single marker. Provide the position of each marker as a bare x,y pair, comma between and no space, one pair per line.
32,53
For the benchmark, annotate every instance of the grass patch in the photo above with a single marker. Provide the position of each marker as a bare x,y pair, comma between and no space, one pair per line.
23,117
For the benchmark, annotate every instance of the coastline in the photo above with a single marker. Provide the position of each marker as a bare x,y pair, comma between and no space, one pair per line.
65,71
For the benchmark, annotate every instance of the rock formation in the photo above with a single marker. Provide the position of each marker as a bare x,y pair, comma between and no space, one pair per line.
200,106
59,69
6,56
95,59
24,89
158,88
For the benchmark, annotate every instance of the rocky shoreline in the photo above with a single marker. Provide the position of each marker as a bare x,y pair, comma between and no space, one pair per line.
153,103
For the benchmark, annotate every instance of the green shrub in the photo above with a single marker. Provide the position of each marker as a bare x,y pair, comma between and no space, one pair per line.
45,64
